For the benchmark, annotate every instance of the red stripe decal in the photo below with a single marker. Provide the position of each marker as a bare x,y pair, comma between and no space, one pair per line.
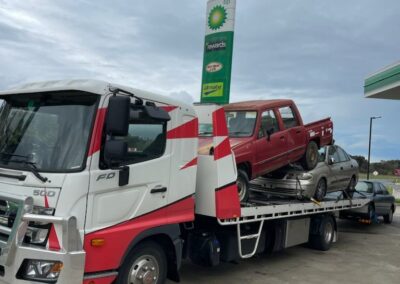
46,202
186,130
227,202
168,108
54,244
117,238
223,149
95,142
191,163
219,123
100,280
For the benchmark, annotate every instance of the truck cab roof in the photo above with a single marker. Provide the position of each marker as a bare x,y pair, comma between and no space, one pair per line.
258,104
91,86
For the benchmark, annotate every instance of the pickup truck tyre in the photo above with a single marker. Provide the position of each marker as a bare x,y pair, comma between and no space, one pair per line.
320,191
310,158
388,219
324,239
146,263
242,183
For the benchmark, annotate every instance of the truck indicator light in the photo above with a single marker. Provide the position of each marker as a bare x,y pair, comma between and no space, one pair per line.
98,242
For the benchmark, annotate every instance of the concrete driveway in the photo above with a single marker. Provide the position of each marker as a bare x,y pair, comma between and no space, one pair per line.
363,254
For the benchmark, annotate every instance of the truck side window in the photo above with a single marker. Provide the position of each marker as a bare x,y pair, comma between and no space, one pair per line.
146,141
268,123
288,117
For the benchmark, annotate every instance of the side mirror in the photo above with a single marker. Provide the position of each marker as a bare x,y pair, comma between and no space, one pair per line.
115,151
331,160
117,119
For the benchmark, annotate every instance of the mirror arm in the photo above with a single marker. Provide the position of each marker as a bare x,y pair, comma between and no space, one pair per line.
115,91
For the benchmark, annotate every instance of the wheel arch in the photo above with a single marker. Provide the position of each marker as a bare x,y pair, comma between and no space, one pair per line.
168,237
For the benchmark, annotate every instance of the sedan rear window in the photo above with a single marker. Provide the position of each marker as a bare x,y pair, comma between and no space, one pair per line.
366,187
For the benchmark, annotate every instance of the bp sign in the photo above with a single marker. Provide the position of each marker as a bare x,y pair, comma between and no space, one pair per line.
218,46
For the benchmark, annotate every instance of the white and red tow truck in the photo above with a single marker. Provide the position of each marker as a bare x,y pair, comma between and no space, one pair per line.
101,183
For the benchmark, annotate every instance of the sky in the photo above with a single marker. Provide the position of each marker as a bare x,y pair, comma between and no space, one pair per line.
317,53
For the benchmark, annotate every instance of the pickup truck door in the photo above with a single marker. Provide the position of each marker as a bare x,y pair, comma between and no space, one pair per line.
296,133
271,144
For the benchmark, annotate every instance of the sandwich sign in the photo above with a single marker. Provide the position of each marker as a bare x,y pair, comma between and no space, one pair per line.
218,46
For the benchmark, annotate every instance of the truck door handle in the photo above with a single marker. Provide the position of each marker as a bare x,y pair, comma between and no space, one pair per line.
298,131
341,168
158,190
282,137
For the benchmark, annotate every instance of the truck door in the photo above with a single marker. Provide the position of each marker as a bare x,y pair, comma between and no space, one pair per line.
148,162
271,144
296,135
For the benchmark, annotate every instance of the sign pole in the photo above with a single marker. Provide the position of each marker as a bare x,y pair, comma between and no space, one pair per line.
218,47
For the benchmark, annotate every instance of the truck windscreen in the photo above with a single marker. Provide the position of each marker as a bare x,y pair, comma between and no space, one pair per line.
49,130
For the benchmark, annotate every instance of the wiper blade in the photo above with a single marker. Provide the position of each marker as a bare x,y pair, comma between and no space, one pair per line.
31,165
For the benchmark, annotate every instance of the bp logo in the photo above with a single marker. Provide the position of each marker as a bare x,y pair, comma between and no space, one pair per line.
217,17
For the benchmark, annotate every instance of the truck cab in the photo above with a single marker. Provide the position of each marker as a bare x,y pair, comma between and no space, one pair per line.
87,170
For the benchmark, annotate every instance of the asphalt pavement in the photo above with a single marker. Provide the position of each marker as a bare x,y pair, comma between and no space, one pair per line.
363,254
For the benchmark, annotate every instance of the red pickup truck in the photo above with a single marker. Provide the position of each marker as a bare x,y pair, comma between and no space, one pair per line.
266,135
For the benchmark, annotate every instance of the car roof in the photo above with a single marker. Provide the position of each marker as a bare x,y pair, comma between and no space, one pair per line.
257,104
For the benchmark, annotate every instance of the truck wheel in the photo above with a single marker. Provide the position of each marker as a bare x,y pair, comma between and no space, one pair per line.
310,158
320,191
242,183
388,218
324,238
146,264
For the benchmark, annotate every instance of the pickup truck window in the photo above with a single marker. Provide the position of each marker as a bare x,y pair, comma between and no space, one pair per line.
205,130
268,123
241,123
288,117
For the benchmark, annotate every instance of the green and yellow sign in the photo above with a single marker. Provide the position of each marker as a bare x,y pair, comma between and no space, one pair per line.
218,46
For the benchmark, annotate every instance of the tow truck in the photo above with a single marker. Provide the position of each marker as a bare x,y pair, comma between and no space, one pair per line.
102,183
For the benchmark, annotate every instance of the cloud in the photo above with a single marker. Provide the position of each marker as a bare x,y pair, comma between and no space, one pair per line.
315,52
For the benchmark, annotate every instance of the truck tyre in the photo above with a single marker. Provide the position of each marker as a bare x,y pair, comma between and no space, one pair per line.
325,233
388,218
146,263
310,158
320,191
242,183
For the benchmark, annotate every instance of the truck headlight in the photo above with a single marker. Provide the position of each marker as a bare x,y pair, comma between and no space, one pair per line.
305,176
38,232
46,271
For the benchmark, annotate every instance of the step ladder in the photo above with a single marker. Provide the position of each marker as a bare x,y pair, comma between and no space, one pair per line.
248,237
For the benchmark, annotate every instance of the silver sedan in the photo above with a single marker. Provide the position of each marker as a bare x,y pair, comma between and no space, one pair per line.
335,171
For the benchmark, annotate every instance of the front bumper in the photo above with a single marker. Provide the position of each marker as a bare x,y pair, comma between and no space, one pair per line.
285,187
14,251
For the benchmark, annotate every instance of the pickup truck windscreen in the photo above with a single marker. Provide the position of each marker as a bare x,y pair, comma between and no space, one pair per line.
241,123
48,130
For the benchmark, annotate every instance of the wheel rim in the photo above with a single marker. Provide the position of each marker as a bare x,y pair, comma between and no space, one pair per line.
320,190
145,270
352,184
313,157
241,189
328,232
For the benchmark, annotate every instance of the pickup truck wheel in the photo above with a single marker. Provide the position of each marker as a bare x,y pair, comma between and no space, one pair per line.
388,219
310,158
320,191
242,183
324,238
146,264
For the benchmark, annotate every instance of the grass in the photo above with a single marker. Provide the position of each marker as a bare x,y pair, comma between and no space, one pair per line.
392,178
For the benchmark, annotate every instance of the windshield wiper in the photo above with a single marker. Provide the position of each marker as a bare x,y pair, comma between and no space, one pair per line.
31,165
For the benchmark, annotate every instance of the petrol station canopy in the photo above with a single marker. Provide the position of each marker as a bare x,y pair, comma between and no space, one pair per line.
384,84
